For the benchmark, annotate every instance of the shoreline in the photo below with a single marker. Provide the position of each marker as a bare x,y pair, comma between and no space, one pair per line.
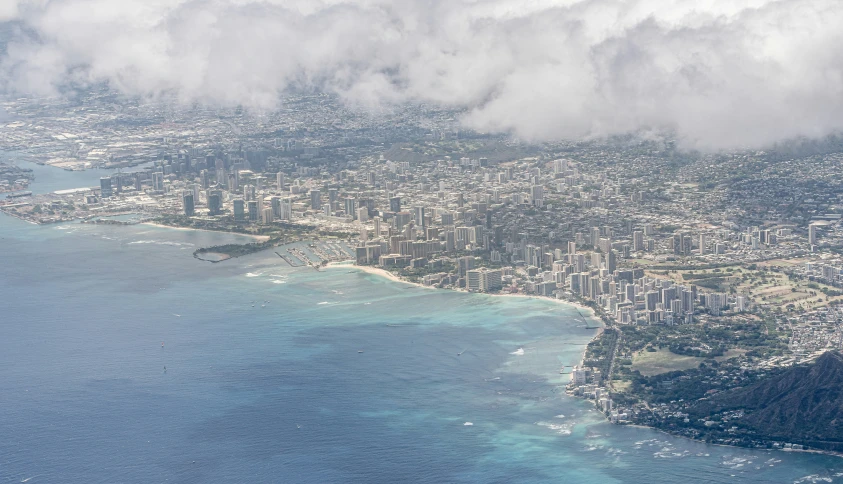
259,238
585,311
732,446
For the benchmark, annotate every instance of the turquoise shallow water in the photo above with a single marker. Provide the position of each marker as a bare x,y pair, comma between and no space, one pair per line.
280,393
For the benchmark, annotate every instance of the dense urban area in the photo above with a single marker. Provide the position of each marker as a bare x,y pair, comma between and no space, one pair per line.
715,275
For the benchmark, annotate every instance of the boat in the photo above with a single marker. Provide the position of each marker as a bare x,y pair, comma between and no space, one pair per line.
359,351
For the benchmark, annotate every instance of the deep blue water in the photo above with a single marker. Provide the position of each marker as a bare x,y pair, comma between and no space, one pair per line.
280,393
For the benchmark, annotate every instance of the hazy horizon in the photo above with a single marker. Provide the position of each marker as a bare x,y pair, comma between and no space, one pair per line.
721,75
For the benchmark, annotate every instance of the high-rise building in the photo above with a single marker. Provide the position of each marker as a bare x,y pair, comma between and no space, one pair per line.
651,299
611,261
637,241
253,210
537,194
214,202
483,280
473,281
279,180
466,234
578,261
315,200
812,234
234,181
286,212
368,204
249,192
450,241
239,210
595,288
362,214
741,303
401,219
105,187
682,244
350,206
687,297
629,292
419,216
596,262
266,216
377,222
158,181
395,204
465,264
187,201
559,166
715,302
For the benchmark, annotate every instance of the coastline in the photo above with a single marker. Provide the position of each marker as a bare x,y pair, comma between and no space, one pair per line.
259,238
585,311
732,446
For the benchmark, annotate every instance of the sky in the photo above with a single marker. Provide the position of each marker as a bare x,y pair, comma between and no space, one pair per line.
719,74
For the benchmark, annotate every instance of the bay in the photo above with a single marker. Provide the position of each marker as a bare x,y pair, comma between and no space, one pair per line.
265,380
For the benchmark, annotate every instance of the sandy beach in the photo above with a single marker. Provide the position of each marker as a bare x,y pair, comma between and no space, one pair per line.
258,238
585,311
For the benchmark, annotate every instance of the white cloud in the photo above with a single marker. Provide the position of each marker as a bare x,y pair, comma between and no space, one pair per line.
721,73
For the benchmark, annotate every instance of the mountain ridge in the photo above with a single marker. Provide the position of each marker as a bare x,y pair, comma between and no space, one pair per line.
803,405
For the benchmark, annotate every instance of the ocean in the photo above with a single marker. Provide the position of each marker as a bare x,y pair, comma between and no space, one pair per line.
126,360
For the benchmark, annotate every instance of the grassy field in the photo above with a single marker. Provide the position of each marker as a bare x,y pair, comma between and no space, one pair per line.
663,361
761,285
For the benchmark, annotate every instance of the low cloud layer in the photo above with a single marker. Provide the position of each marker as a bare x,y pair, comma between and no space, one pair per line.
720,73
